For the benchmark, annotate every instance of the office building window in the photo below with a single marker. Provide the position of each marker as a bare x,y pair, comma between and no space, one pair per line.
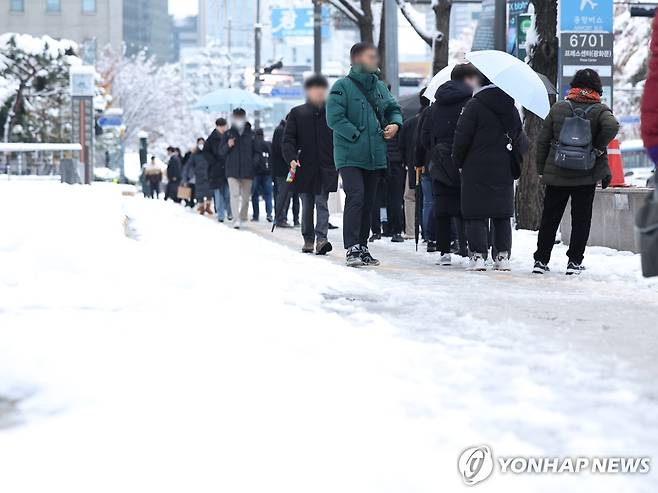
16,6
53,5
89,6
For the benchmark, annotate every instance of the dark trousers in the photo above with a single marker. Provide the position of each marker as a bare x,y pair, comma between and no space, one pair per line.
360,188
555,202
477,234
395,199
445,227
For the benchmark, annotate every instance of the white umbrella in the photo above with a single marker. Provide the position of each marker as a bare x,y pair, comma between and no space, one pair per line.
514,77
437,81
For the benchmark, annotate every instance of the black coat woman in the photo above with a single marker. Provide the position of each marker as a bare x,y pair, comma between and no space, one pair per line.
488,139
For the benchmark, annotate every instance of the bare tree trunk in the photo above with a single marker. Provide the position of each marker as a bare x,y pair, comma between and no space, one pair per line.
366,22
381,46
543,59
440,43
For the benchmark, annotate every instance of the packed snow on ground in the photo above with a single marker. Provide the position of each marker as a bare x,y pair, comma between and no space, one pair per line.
145,348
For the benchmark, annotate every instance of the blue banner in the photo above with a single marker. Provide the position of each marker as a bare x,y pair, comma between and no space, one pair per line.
297,22
586,15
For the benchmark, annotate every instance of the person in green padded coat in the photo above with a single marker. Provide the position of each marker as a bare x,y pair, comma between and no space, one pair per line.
363,114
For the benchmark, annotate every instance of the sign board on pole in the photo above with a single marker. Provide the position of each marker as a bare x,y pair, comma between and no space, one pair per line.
515,8
82,99
485,33
586,41
297,22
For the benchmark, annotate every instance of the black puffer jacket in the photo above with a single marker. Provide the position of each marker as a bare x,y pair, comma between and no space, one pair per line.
217,172
309,139
241,158
480,151
198,166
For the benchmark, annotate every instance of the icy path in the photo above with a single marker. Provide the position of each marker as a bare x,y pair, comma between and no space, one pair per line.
196,358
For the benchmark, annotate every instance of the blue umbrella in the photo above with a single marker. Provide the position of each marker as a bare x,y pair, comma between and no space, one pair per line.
226,100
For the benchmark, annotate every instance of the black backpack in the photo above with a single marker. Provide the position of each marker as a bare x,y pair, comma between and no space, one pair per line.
574,149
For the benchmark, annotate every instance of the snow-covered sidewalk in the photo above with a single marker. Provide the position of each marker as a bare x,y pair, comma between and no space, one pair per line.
168,353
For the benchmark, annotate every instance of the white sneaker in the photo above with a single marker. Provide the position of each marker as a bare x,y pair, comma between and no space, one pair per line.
445,260
476,264
502,262
237,224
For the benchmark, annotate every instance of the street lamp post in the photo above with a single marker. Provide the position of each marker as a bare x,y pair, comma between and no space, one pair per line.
258,34
317,36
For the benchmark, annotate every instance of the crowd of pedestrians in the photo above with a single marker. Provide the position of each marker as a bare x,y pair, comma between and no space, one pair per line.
447,173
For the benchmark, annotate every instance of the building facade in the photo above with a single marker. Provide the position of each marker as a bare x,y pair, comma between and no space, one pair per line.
93,24
147,25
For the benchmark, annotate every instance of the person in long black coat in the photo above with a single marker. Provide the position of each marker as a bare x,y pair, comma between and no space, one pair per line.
198,171
487,132
217,173
308,148
174,175
390,193
408,146
282,192
437,139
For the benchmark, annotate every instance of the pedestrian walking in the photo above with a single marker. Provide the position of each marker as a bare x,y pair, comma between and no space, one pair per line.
407,143
579,126
437,138
308,148
174,175
488,140
188,177
363,114
280,169
239,151
262,184
198,171
153,178
218,182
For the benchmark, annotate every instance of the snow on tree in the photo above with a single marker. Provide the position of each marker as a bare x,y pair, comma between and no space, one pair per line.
438,39
34,79
632,36
153,99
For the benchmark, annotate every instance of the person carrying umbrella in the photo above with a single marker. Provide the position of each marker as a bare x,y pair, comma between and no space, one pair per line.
363,114
488,135
563,182
308,148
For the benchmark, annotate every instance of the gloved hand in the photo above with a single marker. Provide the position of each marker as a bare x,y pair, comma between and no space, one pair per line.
605,183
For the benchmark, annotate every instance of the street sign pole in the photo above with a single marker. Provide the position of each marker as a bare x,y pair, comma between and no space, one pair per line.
317,36
586,41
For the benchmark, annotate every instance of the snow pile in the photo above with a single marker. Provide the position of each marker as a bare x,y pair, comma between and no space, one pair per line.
156,350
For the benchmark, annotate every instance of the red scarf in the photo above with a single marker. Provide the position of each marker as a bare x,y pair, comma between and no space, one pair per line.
580,95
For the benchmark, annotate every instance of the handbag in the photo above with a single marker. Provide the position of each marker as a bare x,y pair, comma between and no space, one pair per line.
184,192
512,146
646,223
